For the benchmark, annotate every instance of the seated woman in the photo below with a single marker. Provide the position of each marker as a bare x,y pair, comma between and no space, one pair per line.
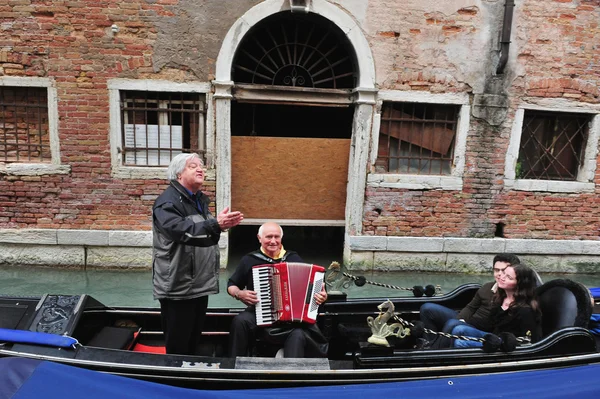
514,308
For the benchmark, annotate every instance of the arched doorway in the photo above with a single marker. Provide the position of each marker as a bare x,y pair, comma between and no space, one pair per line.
309,118
290,150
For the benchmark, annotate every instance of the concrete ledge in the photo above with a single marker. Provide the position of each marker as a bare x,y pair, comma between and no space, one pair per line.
469,245
29,236
77,237
417,244
468,255
130,238
133,249
557,247
83,237
41,255
481,245
119,257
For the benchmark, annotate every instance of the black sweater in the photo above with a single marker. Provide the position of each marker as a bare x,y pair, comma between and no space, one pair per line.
518,321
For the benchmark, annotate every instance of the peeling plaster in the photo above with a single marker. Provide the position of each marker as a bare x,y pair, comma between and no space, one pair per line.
192,38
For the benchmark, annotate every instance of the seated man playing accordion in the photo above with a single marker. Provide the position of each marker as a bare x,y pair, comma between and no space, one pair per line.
298,339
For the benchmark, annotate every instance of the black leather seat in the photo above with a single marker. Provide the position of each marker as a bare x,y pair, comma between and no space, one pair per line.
564,303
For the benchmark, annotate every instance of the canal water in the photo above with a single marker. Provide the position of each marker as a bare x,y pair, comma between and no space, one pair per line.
134,287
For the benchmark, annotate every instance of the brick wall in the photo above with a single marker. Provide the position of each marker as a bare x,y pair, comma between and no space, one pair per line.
557,56
433,46
72,43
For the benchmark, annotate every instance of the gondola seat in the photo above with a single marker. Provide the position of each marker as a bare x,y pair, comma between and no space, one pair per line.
115,338
563,303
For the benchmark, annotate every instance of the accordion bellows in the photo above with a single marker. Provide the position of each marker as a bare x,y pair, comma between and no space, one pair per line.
286,292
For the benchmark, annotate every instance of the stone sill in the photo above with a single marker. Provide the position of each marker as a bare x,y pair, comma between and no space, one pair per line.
414,182
554,186
150,173
29,169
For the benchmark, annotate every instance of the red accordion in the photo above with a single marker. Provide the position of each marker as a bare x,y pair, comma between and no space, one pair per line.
286,292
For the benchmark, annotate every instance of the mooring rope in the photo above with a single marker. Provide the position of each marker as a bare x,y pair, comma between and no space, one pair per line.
520,340
429,290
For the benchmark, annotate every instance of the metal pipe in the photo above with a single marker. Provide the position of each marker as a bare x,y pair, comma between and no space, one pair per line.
509,7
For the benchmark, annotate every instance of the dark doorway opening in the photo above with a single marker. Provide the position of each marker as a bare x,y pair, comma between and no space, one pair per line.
315,244
276,120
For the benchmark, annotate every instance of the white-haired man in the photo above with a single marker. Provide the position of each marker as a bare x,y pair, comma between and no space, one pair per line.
185,258
300,339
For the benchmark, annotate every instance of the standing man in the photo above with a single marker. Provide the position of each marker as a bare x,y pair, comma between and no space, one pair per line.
185,257
300,339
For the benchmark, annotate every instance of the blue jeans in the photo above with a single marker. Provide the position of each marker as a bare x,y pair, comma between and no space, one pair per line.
435,316
438,318
467,331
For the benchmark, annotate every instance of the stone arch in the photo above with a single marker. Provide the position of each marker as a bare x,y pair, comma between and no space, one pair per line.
366,68
364,95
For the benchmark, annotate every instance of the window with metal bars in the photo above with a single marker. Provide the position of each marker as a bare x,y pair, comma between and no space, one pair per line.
156,126
24,130
417,138
552,145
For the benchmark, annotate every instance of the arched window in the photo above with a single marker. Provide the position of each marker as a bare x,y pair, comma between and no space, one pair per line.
296,50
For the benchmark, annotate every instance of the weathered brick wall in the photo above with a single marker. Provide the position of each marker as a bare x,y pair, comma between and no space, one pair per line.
434,46
72,43
449,50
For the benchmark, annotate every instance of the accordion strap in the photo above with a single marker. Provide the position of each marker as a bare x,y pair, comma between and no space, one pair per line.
259,255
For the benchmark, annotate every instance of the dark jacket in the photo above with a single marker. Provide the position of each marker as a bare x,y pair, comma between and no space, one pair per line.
477,312
518,321
185,256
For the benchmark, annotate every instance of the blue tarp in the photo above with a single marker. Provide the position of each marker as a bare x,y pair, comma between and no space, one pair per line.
595,292
27,378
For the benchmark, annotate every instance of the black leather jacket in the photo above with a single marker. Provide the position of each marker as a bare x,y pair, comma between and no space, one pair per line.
185,256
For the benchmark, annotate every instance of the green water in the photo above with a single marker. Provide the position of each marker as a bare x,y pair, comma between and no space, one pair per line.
134,287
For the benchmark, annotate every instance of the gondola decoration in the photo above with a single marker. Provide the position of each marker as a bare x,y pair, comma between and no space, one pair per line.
381,330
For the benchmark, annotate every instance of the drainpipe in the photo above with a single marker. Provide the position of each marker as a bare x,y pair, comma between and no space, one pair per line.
509,7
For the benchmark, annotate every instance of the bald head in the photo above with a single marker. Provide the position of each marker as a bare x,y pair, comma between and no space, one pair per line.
269,236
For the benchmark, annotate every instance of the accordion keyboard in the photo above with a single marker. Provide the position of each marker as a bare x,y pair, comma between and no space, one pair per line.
262,277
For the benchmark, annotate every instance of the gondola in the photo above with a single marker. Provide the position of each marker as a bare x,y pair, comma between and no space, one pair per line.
126,341
27,378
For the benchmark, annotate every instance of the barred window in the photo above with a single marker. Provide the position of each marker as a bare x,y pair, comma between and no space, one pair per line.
552,145
24,128
157,126
417,138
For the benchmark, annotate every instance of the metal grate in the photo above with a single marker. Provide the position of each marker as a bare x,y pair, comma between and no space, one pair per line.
417,138
157,126
552,145
297,50
24,132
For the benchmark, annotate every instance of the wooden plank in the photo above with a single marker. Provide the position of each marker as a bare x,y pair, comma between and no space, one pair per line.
292,95
289,178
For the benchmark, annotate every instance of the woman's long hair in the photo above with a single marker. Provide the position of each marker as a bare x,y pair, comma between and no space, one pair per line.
525,290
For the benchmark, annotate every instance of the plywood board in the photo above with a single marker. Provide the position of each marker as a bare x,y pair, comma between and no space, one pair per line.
289,178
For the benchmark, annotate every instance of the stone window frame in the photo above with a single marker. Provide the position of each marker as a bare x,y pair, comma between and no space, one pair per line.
115,86
585,175
39,168
454,181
